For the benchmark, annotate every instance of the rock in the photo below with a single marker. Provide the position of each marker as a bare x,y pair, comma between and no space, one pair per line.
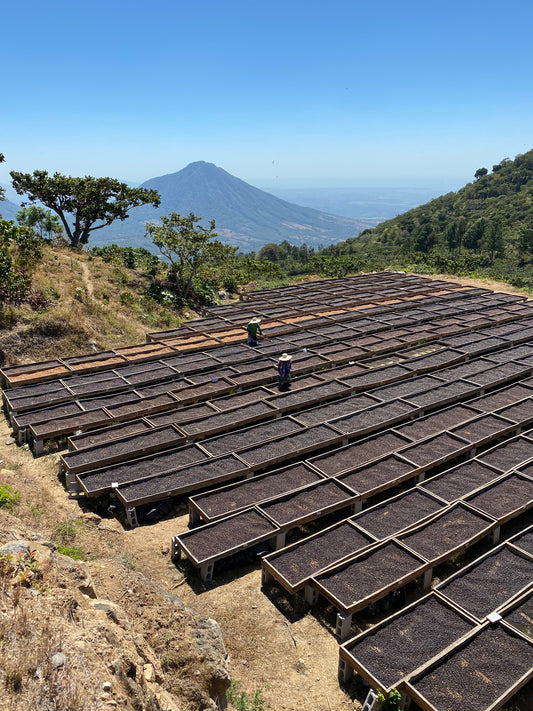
300,666
113,612
58,660
91,517
10,440
149,672
16,548
107,686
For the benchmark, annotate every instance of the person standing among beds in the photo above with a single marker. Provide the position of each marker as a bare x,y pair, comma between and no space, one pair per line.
253,328
284,371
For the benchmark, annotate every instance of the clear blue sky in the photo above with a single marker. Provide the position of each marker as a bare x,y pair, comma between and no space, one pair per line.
290,94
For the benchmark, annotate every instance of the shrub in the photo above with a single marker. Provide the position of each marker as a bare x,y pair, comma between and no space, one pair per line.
243,701
9,497
74,552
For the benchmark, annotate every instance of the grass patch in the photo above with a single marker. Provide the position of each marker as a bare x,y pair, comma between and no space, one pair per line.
74,552
66,531
242,701
9,497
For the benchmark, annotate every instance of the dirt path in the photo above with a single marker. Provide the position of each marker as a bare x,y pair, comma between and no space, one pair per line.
86,274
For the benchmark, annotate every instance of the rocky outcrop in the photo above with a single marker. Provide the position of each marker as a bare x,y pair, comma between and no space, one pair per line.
143,652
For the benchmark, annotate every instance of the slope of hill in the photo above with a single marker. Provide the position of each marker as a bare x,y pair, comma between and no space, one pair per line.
245,216
8,209
469,217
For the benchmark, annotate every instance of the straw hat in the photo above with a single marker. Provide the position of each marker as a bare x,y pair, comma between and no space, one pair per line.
255,320
285,356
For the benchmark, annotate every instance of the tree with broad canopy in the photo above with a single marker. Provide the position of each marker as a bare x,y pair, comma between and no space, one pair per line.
92,203
191,249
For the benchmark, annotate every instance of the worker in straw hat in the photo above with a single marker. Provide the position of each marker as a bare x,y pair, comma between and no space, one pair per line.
253,328
284,371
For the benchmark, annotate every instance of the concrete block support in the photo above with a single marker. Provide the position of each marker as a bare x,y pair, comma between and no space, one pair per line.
266,577
131,514
73,487
193,516
356,507
494,537
371,702
206,572
38,447
310,595
280,541
175,550
428,577
344,626
345,671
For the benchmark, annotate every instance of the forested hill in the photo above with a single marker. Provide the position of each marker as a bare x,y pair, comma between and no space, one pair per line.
494,214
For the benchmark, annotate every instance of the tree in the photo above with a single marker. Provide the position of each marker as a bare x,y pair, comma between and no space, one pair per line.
192,250
20,251
271,251
92,203
39,220
525,237
493,237
480,172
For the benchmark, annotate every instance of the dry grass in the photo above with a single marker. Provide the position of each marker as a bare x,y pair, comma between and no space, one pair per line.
93,306
32,631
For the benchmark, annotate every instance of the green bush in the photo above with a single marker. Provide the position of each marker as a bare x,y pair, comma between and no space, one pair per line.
74,552
242,701
9,497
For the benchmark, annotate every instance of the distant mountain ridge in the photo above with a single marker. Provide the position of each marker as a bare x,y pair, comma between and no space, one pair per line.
245,216
8,209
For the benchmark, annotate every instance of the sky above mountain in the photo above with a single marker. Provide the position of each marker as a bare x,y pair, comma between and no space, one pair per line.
281,94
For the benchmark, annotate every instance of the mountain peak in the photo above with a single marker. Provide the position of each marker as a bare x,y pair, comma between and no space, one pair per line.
245,216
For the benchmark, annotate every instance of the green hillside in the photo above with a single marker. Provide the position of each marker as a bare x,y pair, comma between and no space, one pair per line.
466,219
486,228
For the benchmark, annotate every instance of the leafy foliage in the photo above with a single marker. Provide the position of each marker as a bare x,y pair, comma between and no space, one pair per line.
9,497
41,221
92,203
486,215
20,251
193,253
242,701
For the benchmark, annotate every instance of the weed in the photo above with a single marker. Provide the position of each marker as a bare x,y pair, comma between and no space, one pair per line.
242,701
127,298
66,531
74,552
392,703
79,293
37,512
128,561
9,497
13,680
